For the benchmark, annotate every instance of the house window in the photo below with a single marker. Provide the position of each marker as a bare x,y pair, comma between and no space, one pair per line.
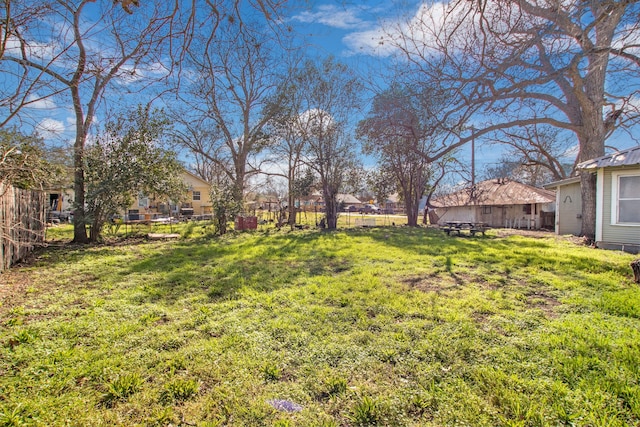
526,209
196,195
143,201
486,210
626,203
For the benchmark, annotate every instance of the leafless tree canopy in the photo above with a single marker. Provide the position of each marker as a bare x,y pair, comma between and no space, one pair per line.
512,64
233,74
70,52
398,131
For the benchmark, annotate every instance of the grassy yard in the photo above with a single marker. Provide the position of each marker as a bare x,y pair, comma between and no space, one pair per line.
364,327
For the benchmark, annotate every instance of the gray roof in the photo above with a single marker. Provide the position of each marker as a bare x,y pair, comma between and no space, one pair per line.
496,193
347,199
567,181
630,157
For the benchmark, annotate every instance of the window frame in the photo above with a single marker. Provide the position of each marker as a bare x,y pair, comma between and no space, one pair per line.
143,200
615,197
193,196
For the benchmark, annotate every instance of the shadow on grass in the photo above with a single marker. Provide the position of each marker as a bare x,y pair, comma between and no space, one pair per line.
219,268
514,252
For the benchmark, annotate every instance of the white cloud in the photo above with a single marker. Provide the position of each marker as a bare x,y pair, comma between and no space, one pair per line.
332,16
421,30
39,103
50,128
313,120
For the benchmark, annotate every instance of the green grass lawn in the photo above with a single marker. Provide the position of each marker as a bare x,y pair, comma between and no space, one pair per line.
363,327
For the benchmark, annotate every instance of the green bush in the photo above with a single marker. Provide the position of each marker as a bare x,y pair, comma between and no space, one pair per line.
179,390
120,388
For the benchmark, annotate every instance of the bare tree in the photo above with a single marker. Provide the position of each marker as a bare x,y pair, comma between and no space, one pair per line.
84,56
570,65
330,95
22,86
286,151
398,132
287,131
535,155
235,74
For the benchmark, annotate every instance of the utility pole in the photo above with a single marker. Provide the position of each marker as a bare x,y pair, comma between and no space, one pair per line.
473,156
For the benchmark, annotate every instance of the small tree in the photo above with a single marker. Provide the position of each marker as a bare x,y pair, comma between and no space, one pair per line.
398,131
225,205
124,162
23,160
330,96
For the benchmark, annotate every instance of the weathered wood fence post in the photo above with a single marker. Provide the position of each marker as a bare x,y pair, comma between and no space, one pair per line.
22,223
635,266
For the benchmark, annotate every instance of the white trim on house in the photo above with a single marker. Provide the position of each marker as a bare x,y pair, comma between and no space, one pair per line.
599,203
615,193
556,223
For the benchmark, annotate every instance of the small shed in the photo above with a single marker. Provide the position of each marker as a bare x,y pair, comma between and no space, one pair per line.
568,217
498,203
617,199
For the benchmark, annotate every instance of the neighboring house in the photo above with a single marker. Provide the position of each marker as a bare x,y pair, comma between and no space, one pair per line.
498,203
197,201
348,200
312,202
198,195
393,204
59,203
617,200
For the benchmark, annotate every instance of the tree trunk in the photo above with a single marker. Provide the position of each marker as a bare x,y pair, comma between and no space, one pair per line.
635,266
79,220
292,200
292,212
330,210
412,211
588,190
591,146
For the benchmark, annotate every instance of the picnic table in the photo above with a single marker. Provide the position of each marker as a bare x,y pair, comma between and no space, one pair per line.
460,226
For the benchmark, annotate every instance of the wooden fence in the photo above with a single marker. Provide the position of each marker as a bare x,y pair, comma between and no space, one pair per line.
22,223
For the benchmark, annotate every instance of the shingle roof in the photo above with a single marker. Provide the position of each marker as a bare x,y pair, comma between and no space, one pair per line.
628,157
496,193
347,199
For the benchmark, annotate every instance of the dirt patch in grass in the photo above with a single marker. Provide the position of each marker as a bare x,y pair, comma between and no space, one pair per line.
545,302
434,282
541,234
14,288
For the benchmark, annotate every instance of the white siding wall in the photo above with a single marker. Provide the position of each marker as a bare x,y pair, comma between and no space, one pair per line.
613,233
569,209
457,213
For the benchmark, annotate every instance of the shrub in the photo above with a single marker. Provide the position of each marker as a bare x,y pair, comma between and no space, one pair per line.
365,413
121,388
179,390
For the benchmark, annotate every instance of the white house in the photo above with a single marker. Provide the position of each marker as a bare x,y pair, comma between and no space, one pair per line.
617,199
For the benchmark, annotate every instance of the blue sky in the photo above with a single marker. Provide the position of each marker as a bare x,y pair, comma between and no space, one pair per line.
353,32
349,30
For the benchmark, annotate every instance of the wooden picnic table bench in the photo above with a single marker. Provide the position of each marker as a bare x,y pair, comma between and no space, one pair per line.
460,226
